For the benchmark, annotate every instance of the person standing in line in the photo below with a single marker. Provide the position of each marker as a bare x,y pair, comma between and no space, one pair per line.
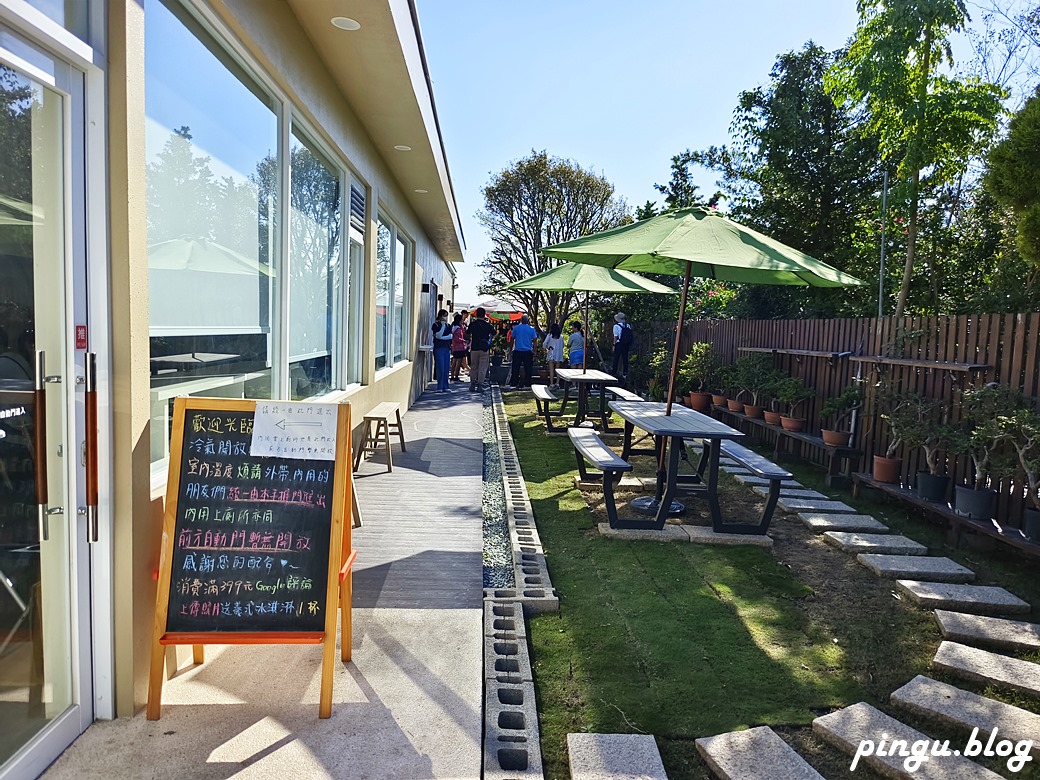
480,334
523,352
576,346
442,350
465,326
458,346
553,344
623,336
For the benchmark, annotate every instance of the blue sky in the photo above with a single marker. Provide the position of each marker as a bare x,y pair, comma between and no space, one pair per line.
616,87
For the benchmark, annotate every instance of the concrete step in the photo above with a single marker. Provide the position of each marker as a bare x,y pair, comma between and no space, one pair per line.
754,754
812,495
991,631
814,505
605,756
821,521
751,479
884,544
988,668
916,567
981,599
855,729
965,710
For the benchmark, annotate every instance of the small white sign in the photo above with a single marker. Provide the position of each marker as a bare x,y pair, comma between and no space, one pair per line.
294,430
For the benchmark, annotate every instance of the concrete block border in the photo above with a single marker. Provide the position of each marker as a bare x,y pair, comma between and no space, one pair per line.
511,735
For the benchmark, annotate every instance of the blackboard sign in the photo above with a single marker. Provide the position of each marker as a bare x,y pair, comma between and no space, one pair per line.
255,549
251,540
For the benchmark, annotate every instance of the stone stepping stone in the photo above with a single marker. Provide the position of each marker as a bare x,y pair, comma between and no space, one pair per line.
792,493
751,479
965,710
982,599
755,754
846,728
819,522
987,668
885,544
997,632
814,505
917,567
608,756
735,469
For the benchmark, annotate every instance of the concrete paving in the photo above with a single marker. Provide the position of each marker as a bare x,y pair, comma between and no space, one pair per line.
790,492
409,704
990,631
965,710
751,479
847,728
883,544
822,521
983,599
614,757
754,754
814,505
697,534
916,567
988,668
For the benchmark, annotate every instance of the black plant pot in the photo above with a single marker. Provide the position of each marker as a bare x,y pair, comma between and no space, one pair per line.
976,504
1031,524
499,374
496,360
932,487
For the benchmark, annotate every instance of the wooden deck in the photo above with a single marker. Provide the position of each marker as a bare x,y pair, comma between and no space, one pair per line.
422,542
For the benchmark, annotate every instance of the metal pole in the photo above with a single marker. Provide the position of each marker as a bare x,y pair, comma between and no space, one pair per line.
884,224
678,336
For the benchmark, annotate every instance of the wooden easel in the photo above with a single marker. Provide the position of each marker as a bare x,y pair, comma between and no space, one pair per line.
341,558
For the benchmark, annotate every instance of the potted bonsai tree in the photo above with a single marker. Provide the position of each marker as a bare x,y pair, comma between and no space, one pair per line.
696,371
754,376
791,392
837,410
771,413
1023,429
984,436
900,414
728,382
926,427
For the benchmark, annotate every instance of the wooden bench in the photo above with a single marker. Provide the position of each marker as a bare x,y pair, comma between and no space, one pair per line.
760,467
370,440
957,524
542,397
622,394
588,446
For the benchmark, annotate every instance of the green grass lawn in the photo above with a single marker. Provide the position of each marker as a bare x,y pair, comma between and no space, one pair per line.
677,640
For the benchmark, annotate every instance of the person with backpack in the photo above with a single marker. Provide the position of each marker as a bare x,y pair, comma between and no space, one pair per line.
623,337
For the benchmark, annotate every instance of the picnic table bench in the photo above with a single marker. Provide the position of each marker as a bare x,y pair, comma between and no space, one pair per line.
761,467
542,396
588,446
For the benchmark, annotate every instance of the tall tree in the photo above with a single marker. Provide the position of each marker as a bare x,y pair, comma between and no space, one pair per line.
1013,176
924,118
536,202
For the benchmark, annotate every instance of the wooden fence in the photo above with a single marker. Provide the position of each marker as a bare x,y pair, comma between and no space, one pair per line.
932,356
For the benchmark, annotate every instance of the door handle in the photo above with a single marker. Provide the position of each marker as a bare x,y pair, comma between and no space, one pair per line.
91,425
40,444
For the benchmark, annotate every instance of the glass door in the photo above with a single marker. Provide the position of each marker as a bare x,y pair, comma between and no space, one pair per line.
45,675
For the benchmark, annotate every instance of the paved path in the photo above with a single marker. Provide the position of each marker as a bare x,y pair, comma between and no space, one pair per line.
410,703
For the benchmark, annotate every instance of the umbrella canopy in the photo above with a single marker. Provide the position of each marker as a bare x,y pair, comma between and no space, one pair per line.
586,278
705,243
582,277
698,241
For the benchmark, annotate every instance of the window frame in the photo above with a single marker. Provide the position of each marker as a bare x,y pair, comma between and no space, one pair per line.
392,327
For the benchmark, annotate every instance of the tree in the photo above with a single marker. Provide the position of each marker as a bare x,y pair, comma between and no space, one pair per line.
1013,176
536,202
928,121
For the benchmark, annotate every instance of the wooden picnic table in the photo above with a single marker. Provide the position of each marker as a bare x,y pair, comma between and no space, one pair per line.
584,379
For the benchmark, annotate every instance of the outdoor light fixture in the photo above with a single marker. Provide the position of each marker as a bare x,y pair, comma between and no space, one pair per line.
345,23
403,148
422,192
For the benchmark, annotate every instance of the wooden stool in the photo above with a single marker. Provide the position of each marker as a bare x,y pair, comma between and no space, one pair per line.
370,440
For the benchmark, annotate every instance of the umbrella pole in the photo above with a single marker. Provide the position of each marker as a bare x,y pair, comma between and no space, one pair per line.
678,336
585,352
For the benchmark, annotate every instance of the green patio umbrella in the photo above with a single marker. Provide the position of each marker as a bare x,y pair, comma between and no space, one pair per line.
582,277
699,241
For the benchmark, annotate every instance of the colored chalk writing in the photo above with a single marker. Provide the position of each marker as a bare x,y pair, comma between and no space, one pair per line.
250,548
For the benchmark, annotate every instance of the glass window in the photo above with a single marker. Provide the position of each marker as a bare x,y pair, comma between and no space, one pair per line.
400,256
355,305
213,180
73,15
384,283
314,270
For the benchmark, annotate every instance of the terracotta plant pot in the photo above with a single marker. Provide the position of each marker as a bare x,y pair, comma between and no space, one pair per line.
773,418
754,412
734,405
700,402
887,469
718,399
792,423
836,438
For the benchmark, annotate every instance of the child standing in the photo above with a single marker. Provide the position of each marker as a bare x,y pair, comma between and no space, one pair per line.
553,344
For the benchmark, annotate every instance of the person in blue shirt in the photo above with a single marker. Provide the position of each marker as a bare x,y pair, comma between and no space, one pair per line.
442,350
523,352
